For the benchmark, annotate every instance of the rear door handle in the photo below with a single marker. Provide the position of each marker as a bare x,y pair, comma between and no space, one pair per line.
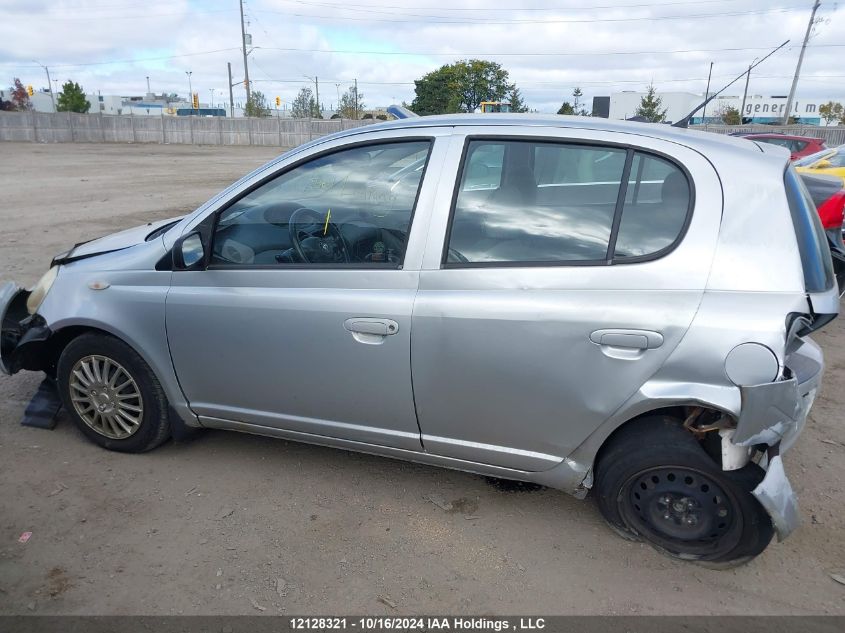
371,331
632,339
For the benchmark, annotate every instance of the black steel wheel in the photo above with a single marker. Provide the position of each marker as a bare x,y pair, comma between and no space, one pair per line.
654,482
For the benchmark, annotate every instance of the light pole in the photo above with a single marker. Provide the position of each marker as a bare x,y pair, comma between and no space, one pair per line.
337,87
211,105
190,89
47,70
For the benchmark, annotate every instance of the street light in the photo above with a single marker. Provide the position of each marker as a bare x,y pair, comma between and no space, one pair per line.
190,89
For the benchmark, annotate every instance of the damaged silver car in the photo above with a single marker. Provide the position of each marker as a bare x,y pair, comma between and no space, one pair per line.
596,306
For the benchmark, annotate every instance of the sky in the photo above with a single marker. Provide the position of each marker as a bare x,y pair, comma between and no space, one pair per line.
548,47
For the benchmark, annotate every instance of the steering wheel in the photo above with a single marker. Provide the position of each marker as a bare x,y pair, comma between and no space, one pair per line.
315,240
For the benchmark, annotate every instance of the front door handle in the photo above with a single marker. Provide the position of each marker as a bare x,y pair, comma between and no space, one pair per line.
371,331
631,339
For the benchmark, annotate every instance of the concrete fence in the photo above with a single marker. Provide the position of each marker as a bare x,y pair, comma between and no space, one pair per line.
67,127
832,135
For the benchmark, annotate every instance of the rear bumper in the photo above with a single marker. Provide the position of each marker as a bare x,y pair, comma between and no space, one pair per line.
774,414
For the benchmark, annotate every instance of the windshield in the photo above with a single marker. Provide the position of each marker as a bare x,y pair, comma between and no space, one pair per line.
812,158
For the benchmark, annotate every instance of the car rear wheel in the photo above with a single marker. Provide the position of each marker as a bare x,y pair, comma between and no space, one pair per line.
656,483
112,394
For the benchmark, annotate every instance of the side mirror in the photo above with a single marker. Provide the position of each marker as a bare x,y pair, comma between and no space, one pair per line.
189,252
822,164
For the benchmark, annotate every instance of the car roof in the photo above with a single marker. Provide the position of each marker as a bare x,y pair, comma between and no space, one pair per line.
703,141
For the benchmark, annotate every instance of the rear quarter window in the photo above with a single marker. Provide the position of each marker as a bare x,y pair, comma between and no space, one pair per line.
812,241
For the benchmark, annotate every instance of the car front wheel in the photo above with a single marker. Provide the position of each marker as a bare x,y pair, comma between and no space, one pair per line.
655,482
112,394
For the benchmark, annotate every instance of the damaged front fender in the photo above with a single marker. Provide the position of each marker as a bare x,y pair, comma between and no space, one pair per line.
24,338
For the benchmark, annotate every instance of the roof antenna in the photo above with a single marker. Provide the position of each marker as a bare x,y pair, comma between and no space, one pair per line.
685,121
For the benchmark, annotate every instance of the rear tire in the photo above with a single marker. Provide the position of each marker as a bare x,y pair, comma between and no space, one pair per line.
656,483
112,394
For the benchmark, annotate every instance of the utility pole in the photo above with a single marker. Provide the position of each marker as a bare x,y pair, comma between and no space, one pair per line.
190,90
211,105
707,94
243,42
148,85
49,82
317,90
786,113
356,98
231,98
745,94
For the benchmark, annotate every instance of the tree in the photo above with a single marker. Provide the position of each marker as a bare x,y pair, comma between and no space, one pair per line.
6,106
349,107
566,108
831,112
72,98
577,108
20,98
461,87
304,106
729,115
256,105
517,104
649,107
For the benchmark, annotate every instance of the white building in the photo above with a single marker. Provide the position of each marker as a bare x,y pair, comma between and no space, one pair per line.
758,108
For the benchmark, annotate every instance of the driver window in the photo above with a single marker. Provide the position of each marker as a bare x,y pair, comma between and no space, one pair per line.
350,207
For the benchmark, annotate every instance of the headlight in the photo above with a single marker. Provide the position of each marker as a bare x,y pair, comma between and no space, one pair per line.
40,290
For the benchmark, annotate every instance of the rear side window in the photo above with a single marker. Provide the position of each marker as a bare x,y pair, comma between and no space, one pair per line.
536,201
812,241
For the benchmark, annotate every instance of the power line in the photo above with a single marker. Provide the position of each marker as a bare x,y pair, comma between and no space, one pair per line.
449,20
512,9
528,54
416,53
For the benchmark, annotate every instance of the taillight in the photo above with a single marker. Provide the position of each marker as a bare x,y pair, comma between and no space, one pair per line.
832,211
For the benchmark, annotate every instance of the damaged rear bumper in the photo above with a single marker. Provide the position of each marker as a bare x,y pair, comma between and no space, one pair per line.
773,414
24,338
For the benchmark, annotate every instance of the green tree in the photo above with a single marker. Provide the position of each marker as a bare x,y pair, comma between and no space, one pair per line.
517,104
256,105
831,112
72,98
349,107
729,115
304,106
650,105
20,97
461,87
577,108
566,108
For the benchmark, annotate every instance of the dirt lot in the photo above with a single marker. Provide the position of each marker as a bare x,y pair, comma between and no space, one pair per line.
236,524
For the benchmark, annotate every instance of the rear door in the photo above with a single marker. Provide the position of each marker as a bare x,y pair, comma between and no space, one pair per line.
560,274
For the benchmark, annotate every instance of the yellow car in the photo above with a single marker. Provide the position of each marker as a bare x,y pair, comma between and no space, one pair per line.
828,161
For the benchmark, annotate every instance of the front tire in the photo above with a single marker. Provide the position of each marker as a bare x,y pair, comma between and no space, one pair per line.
112,394
655,482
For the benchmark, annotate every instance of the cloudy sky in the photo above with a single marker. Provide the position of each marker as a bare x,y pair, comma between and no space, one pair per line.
548,47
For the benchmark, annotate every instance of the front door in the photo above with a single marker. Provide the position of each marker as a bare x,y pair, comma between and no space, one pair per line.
302,320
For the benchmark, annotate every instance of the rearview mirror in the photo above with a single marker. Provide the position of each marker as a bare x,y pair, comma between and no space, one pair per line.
189,252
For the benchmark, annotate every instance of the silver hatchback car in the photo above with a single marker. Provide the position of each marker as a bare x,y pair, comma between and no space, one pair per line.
590,305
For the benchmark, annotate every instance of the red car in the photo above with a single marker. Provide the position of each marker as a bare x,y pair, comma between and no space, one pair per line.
798,146
828,194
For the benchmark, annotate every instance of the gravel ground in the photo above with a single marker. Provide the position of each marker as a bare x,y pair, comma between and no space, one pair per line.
239,524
